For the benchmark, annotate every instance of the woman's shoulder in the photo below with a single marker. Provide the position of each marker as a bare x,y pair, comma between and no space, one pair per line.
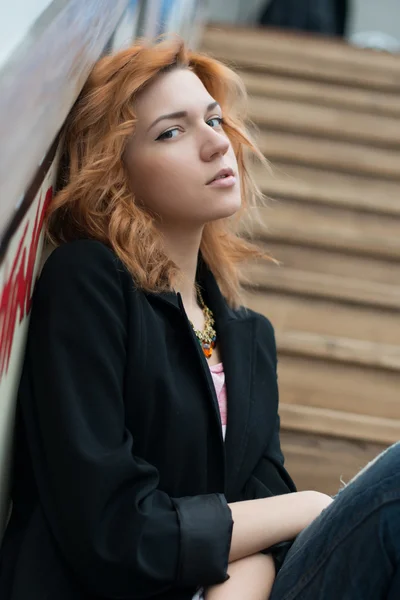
264,331
81,254
86,258
82,268
262,321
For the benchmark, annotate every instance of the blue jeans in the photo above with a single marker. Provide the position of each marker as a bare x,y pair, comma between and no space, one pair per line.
352,550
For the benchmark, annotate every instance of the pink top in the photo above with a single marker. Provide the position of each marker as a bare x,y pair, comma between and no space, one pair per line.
218,375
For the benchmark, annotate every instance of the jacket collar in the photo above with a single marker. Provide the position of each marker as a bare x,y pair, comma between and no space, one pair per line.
212,294
223,313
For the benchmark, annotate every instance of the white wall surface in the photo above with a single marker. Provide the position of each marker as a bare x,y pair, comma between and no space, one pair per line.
235,11
16,18
224,11
370,15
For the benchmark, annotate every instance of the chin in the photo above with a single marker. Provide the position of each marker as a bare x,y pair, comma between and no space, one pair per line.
226,209
222,207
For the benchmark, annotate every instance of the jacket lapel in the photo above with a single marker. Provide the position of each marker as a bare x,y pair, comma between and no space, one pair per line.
237,349
237,341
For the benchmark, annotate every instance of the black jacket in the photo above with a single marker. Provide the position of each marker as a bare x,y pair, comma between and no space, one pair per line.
122,477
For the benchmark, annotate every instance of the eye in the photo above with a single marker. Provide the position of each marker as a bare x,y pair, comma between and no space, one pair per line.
219,121
167,135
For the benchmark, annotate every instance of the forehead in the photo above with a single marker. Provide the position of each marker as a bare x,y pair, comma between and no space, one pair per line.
177,90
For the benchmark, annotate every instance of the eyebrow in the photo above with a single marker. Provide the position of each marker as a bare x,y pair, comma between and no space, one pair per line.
180,114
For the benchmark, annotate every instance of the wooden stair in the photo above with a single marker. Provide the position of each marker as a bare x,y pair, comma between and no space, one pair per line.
327,120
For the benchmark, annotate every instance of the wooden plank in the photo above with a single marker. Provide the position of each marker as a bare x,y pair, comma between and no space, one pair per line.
325,421
300,182
332,155
323,226
333,287
324,121
341,350
305,45
333,261
286,54
323,463
373,102
341,386
324,317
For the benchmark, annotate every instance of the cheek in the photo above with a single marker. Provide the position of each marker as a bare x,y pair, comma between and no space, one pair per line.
158,180
146,174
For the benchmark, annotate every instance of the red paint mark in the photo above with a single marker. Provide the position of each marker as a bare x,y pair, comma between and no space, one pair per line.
16,295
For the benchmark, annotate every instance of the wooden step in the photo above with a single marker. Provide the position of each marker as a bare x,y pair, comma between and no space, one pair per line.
339,424
307,57
341,350
373,102
303,183
343,386
332,287
280,114
333,261
305,46
327,227
324,463
331,155
321,316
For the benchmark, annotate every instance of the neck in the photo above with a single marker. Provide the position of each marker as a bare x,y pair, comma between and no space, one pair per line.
183,248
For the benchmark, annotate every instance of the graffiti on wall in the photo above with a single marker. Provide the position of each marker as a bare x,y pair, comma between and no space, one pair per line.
16,295
18,274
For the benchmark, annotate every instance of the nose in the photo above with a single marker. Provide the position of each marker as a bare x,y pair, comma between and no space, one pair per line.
214,144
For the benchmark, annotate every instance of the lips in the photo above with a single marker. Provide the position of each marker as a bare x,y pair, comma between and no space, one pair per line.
222,174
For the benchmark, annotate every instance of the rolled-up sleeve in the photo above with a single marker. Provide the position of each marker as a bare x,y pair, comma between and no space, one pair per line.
204,551
121,535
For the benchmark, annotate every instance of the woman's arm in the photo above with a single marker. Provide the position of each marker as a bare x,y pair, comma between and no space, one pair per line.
251,578
269,477
259,524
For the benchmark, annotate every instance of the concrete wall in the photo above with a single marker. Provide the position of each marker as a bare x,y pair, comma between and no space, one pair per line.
234,11
370,15
16,18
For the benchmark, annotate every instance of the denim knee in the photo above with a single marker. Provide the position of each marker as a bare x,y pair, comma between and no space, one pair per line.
385,466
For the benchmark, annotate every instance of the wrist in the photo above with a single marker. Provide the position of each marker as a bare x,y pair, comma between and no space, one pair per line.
251,578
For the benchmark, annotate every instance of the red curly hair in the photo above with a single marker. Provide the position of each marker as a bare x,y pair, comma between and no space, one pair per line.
94,198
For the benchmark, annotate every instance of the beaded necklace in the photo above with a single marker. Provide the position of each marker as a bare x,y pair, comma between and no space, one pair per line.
208,337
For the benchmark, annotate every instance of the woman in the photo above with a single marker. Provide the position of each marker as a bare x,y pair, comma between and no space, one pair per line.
139,355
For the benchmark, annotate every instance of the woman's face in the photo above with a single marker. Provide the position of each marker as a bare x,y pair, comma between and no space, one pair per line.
178,148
